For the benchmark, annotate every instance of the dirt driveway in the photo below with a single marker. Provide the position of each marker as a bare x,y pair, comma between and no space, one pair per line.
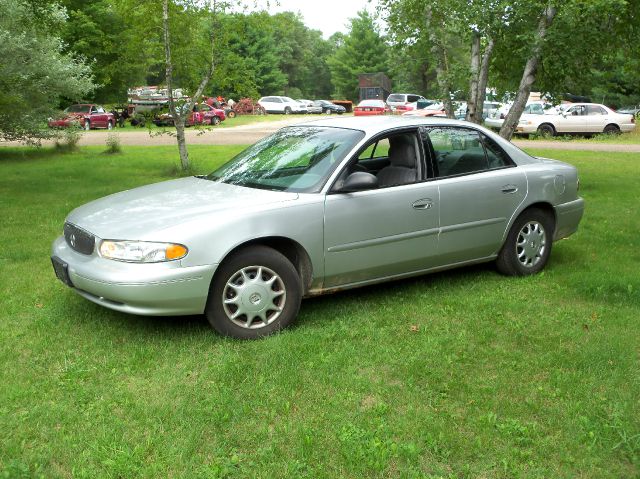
248,134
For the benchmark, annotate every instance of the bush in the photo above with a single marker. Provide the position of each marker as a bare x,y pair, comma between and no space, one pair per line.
113,143
68,139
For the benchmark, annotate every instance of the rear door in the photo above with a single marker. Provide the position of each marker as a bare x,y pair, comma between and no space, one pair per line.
480,189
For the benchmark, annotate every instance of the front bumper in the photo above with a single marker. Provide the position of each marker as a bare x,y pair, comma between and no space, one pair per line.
153,289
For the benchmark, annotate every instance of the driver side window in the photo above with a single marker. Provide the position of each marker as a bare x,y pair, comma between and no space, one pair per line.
393,159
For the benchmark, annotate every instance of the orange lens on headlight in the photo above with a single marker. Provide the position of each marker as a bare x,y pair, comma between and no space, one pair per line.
175,251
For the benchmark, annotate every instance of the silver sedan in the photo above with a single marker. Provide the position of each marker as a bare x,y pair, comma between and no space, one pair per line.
317,207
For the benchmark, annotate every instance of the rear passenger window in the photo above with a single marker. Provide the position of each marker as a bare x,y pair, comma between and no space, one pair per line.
457,151
496,155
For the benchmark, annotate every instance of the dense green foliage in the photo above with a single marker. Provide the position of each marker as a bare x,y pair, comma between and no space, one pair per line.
362,51
463,374
35,73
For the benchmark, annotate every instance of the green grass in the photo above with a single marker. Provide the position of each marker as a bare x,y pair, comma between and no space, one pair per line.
463,374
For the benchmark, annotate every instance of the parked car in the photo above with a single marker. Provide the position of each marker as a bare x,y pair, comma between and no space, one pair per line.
318,207
371,107
404,101
281,104
630,110
437,110
328,108
201,114
497,117
210,115
86,115
311,108
578,118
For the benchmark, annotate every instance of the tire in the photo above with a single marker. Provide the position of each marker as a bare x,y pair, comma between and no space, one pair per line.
109,125
546,130
327,111
215,121
611,130
287,111
231,114
285,292
87,125
528,244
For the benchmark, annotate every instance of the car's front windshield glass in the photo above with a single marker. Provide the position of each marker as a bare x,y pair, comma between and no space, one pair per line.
298,158
78,109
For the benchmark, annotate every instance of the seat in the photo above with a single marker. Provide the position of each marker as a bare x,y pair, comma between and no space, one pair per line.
402,158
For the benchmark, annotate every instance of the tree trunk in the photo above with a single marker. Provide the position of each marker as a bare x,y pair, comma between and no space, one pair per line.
483,78
473,82
178,114
442,67
528,76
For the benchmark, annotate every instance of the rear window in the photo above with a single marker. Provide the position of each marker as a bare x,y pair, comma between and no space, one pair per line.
395,97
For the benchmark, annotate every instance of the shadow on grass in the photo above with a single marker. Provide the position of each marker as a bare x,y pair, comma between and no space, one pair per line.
30,153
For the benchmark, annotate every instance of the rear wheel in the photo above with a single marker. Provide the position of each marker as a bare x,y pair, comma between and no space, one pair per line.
528,245
254,293
287,111
612,129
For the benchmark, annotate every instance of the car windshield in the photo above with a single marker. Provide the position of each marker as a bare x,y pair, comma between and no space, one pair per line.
78,109
297,159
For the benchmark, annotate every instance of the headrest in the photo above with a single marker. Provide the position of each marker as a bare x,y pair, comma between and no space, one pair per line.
402,151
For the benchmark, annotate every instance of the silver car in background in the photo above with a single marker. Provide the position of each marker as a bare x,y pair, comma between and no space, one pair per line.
318,207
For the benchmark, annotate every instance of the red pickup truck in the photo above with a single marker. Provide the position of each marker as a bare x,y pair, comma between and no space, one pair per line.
85,116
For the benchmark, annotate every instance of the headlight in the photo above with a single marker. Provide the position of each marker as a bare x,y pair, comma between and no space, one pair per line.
142,251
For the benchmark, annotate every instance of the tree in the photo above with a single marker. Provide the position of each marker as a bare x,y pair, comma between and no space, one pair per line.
35,73
181,109
363,51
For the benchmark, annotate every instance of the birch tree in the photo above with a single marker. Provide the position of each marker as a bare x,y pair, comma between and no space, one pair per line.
180,108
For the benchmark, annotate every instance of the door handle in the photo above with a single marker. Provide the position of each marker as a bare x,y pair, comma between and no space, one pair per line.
423,204
509,189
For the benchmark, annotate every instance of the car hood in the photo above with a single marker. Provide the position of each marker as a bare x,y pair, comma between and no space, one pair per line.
141,212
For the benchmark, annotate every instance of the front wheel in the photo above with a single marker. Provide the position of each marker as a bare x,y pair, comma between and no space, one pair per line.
327,111
546,130
87,125
215,121
254,293
109,125
287,111
528,245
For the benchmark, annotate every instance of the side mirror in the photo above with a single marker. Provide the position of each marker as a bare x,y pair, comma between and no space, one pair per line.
358,181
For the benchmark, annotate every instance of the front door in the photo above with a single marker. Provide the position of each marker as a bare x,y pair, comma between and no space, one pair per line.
386,231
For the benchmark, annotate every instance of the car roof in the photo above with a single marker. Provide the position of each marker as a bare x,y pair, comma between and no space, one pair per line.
374,125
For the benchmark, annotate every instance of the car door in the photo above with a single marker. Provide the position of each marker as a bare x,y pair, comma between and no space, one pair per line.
597,118
573,120
381,232
480,189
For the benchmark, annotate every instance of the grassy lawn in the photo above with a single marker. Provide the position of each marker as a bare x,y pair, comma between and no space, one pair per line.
462,374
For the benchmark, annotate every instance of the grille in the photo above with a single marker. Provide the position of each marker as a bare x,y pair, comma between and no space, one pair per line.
79,239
